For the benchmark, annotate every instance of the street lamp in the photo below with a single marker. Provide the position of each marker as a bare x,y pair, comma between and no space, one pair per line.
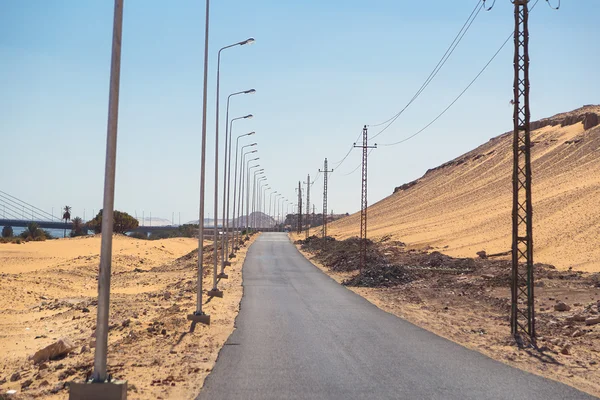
255,194
269,210
225,241
279,200
100,354
262,203
227,164
232,253
236,224
244,172
260,183
215,291
259,172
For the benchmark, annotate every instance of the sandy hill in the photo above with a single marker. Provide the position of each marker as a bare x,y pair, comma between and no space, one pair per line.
464,205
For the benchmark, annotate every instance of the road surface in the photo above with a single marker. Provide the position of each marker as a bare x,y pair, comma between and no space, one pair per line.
301,335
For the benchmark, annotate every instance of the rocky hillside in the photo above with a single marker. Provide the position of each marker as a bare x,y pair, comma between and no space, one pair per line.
464,205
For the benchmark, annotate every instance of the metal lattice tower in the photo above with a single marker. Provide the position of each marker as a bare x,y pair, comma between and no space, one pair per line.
363,200
325,171
299,207
522,310
307,183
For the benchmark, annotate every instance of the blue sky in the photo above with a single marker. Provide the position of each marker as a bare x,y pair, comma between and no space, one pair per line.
322,70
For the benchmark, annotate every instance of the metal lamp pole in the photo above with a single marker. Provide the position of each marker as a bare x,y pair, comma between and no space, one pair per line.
100,354
270,198
276,210
236,223
215,291
259,172
253,197
228,133
199,315
263,202
225,242
256,198
257,184
245,188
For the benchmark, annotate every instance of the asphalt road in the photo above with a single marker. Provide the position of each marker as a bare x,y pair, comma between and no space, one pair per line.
301,335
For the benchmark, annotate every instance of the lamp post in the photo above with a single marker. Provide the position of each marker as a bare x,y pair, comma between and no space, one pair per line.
225,223
236,222
261,171
276,211
246,188
255,182
215,291
263,202
255,199
228,133
100,354
232,234
269,210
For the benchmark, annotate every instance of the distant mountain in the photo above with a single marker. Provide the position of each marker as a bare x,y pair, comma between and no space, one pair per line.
260,219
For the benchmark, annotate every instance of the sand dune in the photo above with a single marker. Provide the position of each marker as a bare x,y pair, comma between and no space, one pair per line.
464,206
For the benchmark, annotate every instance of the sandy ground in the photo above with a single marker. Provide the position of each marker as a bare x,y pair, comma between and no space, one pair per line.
471,311
49,291
464,206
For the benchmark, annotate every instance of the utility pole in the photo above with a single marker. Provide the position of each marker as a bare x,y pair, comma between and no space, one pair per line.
307,183
313,214
299,207
522,319
325,171
363,200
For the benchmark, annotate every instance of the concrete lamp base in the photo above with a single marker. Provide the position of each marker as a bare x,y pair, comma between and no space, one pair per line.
227,263
199,318
215,293
232,255
223,275
115,390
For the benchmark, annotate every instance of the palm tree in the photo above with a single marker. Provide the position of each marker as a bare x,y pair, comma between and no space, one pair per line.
66,217
32,230
77,229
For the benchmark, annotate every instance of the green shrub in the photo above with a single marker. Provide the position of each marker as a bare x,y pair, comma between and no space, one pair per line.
7,232
122,222
139,235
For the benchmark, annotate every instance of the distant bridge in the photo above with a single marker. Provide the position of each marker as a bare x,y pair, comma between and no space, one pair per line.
15,213
20,223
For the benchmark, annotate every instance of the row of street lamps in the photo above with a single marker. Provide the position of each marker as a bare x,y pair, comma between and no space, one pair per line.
231,227
99,375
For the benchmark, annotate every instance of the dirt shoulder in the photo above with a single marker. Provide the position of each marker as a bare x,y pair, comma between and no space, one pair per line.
46,296
468,301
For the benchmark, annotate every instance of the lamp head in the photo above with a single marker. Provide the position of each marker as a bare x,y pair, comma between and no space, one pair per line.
248,116
250,133
251,91
247,41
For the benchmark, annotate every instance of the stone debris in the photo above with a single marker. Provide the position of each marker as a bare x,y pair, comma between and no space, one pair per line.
561,306
566,350
592,320
57,349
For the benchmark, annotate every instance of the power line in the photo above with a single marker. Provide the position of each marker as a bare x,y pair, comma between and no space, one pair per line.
358,166
338,163
457,39
461,93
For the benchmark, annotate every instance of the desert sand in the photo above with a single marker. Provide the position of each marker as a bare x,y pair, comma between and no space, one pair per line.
464,206
49,291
